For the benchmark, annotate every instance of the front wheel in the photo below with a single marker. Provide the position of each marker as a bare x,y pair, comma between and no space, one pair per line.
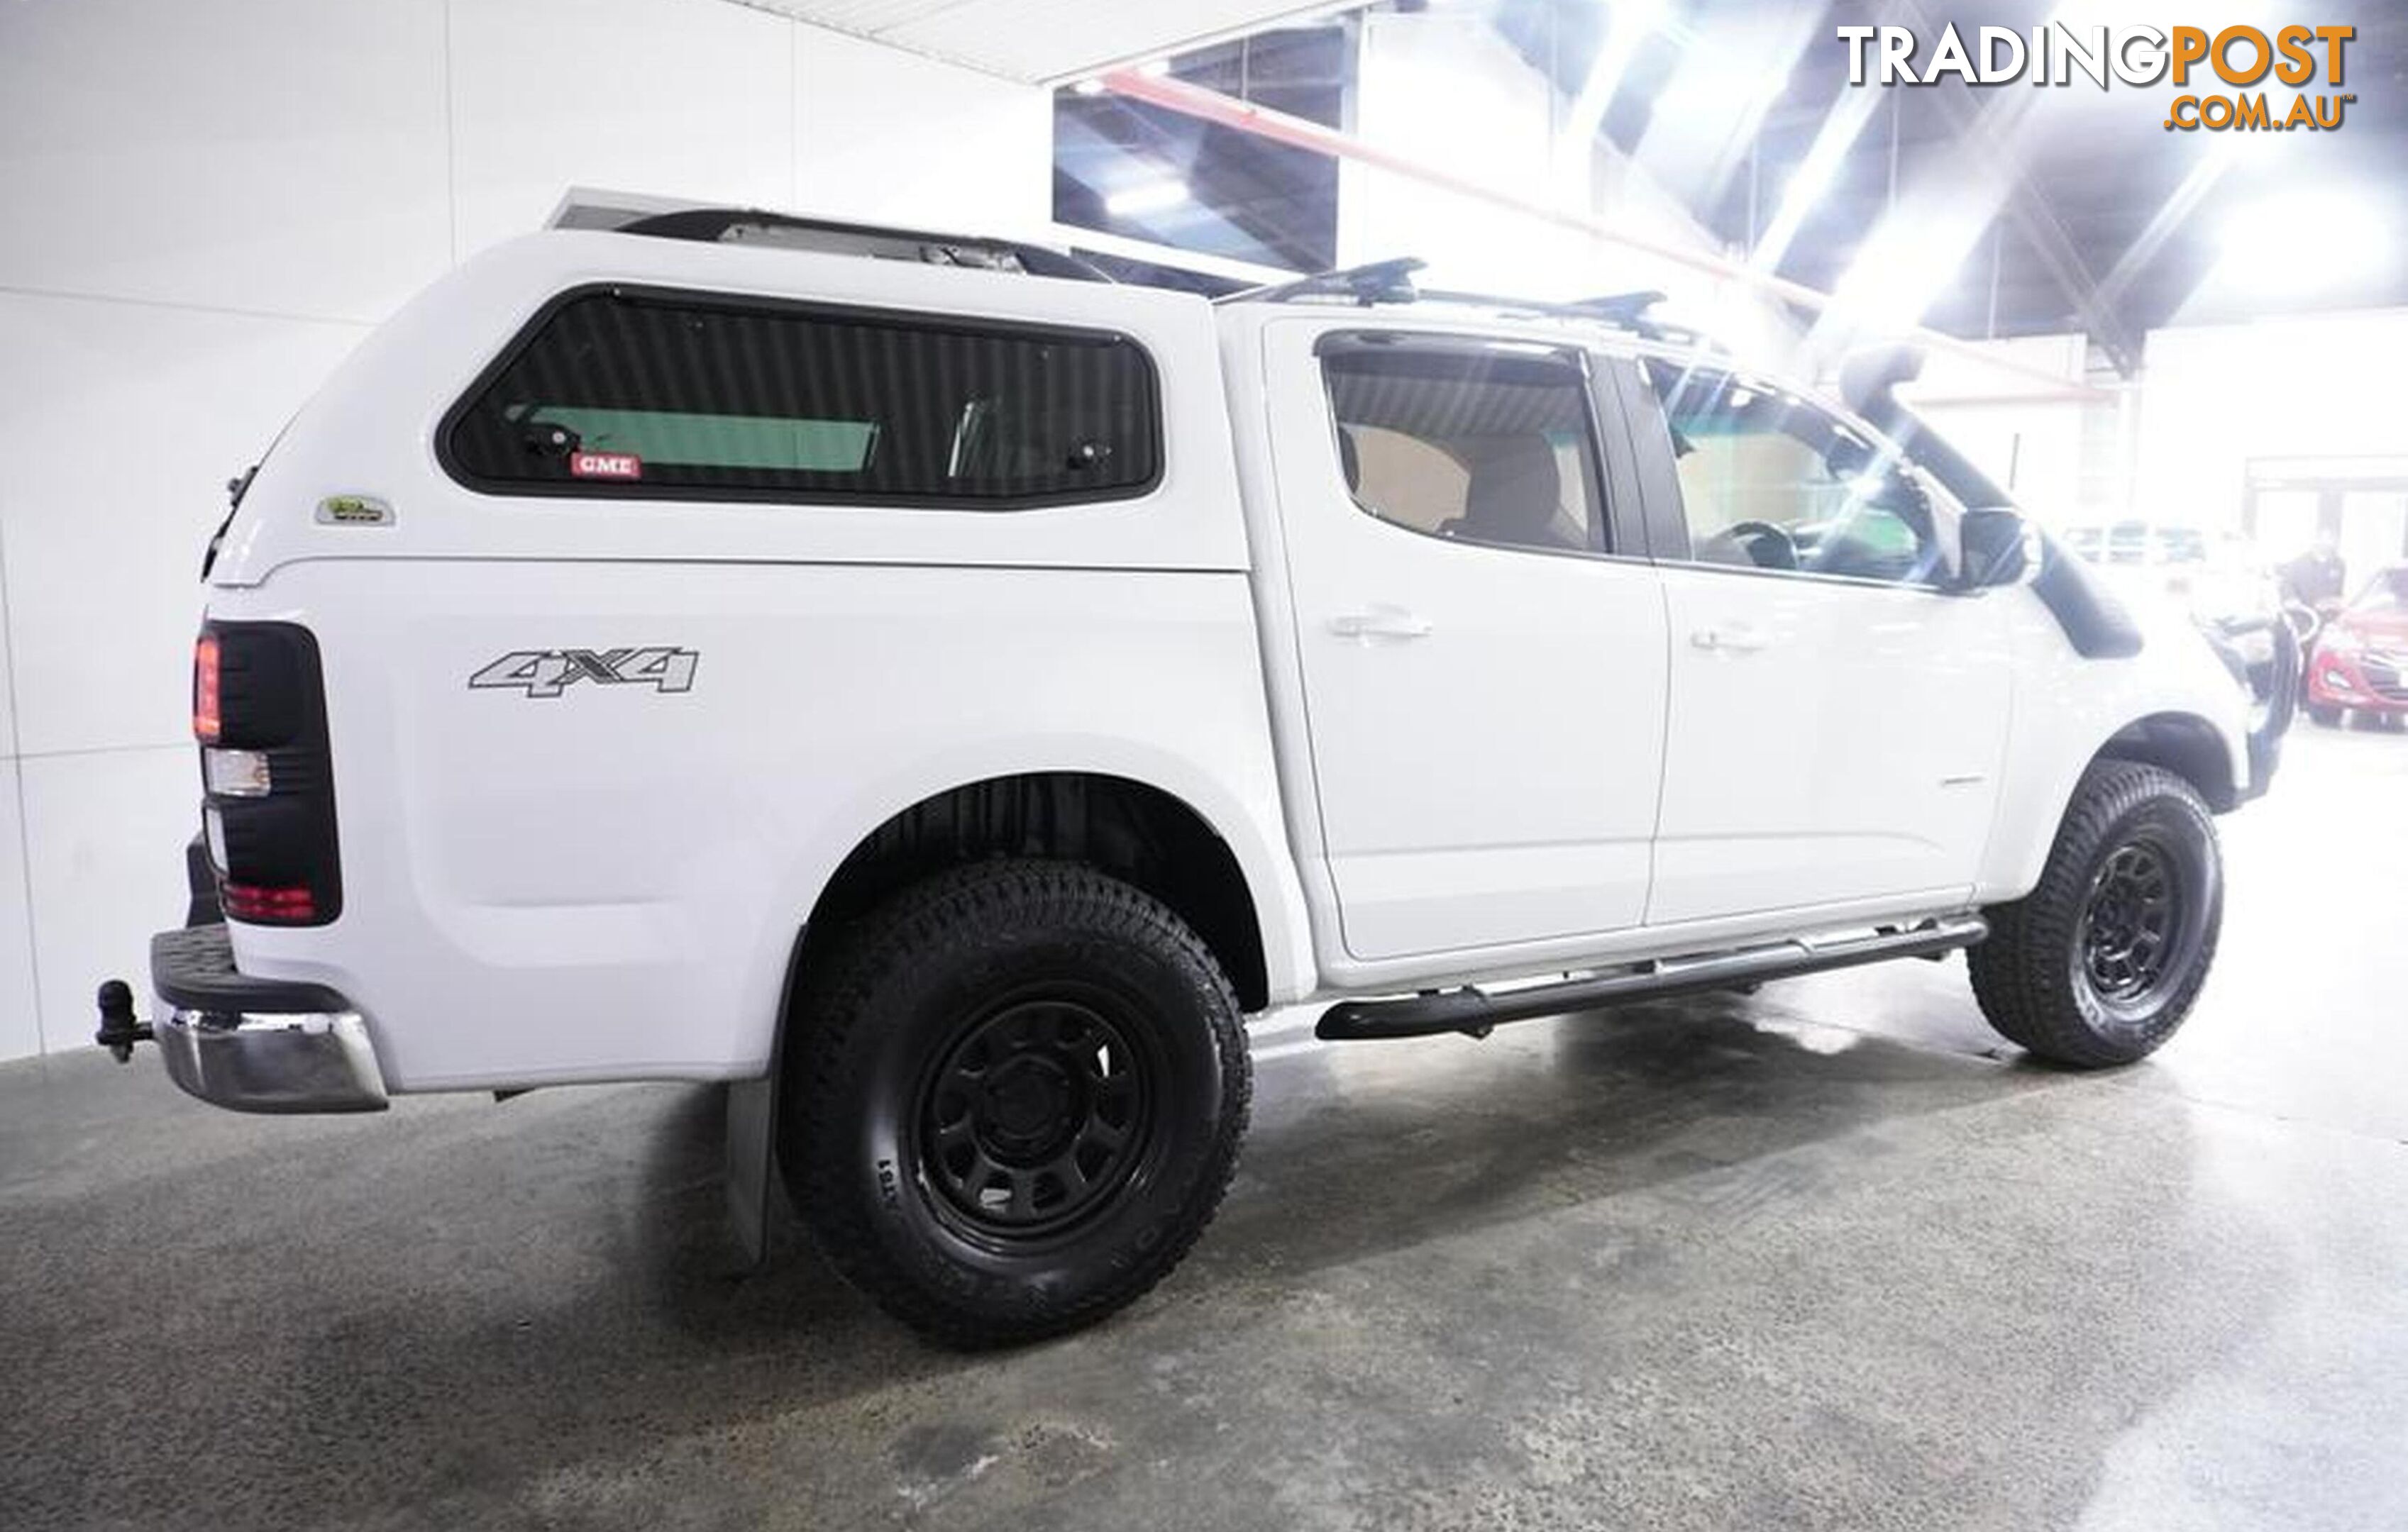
2324,716
2103,961
1013,1101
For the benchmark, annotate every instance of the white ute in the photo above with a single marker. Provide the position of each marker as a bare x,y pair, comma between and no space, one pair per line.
945,696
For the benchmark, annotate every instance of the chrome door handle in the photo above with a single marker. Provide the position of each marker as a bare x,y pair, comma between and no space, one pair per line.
1380,622
1734,640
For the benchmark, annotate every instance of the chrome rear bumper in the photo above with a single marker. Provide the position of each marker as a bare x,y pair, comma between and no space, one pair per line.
266,1061
257,1044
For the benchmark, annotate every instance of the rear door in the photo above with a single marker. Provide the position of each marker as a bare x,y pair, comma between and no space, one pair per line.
1482,656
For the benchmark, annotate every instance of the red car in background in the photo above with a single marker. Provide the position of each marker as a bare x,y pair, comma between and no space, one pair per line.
2361,660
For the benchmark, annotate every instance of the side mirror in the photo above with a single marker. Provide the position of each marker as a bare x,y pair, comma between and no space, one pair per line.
1996,547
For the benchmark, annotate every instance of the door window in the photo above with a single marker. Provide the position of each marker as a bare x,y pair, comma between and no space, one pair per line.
1770,482
1484,443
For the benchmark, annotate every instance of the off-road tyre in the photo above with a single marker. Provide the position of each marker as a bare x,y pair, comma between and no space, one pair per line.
980,1027
2039,976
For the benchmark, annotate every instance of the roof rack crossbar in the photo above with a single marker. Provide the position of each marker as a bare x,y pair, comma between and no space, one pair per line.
1380,282
1391,281
744,225
1623,310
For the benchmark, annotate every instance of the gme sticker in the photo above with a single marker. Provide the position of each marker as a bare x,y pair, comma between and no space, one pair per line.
606,466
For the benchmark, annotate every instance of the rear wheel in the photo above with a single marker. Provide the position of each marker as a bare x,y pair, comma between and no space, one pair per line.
1013,1101
2103,960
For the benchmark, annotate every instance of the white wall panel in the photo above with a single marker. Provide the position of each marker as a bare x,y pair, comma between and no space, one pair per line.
883,135
105,839
20,1031
280,156
2214,397
118,425
2018,429
665,97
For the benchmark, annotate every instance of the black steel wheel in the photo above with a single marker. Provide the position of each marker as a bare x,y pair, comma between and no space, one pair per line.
2131,923
1012,1100
2105,957
1039,1113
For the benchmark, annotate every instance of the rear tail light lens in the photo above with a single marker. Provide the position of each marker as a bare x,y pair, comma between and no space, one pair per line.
208,721
237,773
259,708
294,905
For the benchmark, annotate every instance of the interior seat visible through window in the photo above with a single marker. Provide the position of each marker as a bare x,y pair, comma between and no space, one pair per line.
1488,443
1513,496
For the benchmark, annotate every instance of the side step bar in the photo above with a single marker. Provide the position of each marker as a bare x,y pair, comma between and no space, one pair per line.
1475,1011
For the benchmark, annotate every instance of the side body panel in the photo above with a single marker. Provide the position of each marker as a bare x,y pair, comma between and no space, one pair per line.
608,882
2076,706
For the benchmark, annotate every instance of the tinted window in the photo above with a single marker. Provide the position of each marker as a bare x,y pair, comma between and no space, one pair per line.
635,393
1769,481
1490,444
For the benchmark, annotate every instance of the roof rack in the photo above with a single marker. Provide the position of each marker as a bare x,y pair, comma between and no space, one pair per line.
1382,282
753,226
1392,282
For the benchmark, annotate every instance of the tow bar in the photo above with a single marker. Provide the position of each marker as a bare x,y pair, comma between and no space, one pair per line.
119,1029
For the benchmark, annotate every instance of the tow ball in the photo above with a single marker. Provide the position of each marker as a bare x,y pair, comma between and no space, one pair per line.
119,1030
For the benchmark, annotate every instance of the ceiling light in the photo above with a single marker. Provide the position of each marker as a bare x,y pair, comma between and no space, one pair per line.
1824,160
2304,241
1089,86
1155,68
1908,262
1151,197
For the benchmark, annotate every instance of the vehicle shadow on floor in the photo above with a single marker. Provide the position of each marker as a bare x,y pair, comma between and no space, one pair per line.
1360,1149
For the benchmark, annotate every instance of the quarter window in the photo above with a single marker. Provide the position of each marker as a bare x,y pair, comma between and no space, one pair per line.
1770,482
1486,443
621,391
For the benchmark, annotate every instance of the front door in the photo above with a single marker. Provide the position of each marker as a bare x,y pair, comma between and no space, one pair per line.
1483,674
1839,715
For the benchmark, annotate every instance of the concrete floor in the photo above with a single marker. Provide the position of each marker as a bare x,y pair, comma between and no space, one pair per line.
1827,1257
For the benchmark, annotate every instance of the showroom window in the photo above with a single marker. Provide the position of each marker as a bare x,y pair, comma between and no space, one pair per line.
661,395
1488,443
1770,482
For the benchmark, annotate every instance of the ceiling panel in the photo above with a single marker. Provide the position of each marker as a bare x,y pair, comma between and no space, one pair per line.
1043,41
866,18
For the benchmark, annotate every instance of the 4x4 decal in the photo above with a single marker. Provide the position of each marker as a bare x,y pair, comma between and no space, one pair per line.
545,672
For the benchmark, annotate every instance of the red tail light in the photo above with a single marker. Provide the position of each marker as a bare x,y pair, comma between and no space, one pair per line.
269,906
258,707
208,721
